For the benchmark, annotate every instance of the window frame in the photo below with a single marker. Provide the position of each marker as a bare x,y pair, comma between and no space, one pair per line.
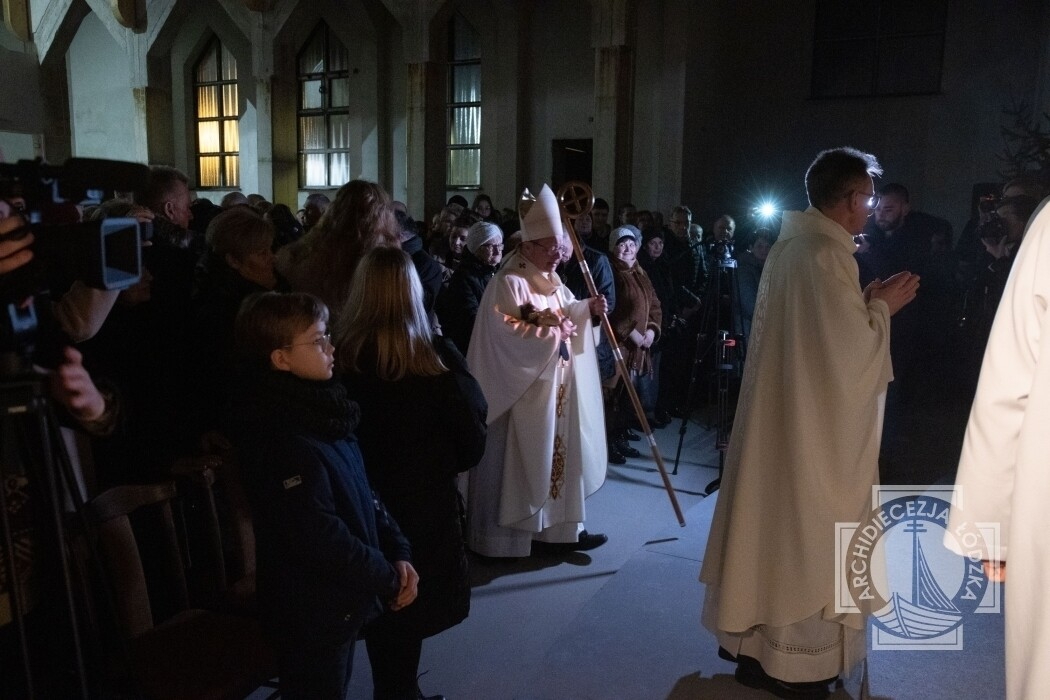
451,106
214,50
326,77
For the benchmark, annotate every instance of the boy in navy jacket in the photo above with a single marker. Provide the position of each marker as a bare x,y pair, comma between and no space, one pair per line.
329,555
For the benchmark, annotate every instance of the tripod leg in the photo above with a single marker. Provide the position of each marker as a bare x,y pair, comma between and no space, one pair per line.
690,395
14,582
699,350
51,445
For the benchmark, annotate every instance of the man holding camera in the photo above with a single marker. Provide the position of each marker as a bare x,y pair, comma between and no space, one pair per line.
1001,236
804,450
26,523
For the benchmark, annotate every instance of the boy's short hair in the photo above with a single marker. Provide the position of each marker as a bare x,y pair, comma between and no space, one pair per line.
271,320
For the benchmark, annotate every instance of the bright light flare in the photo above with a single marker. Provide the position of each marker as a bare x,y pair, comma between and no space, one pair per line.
766,210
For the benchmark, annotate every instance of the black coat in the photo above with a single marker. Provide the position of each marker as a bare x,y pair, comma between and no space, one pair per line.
131,351
417,435
659,271
457,306
219,291
602,274
324,541
429,270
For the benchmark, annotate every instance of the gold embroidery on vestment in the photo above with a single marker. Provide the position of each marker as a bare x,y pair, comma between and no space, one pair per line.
560,407
558,467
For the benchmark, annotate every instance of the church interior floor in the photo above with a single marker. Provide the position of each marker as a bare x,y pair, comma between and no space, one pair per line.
622,621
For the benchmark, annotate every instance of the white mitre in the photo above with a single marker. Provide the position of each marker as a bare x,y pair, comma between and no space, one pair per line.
543,219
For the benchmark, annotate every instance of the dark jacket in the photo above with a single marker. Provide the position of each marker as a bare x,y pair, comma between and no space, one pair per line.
660,275
429,270
417,435
324,541
218,293
602,274
748,275
686,258
130,351
457,305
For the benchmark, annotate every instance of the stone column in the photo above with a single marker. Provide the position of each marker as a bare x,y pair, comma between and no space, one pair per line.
423,104
613,99
415,128
262,36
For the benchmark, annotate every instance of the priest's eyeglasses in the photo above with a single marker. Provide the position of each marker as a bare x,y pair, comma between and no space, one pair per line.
549,250
323,342
872,198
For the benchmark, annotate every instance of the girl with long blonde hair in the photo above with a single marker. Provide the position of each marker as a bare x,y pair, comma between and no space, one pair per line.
422,424
383,321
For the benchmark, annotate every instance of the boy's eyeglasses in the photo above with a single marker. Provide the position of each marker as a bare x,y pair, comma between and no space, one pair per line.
322,342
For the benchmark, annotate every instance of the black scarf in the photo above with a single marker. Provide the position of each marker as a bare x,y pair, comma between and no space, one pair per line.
282,401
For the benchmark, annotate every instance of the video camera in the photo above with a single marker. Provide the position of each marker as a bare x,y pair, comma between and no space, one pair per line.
993,228
720,251
103,254
988,203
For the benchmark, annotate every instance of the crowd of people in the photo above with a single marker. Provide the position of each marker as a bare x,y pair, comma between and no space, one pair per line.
395,393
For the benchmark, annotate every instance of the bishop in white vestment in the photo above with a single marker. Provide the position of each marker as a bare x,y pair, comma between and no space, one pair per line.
533,353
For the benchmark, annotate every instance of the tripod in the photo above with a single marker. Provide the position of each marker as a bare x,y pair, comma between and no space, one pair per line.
33,456
720,335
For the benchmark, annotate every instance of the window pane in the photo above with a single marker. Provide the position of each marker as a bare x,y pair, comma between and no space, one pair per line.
232,171
910,64
842,68
465,125
324,96
339,131
208,137
466,83
464,167
229,65
311,133
338,56
207,101
339,170
311,94
466,44
229,100
209,172
312,170
846,19
311,60
910,17
340,92
231,136
207,71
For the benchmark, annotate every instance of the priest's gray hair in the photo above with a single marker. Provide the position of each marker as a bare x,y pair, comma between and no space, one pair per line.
835,171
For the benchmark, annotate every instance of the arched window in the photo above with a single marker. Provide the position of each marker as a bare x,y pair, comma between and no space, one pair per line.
324,111
464,105
217,111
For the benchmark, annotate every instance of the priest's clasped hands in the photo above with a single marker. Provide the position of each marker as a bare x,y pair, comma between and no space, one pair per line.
897,291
